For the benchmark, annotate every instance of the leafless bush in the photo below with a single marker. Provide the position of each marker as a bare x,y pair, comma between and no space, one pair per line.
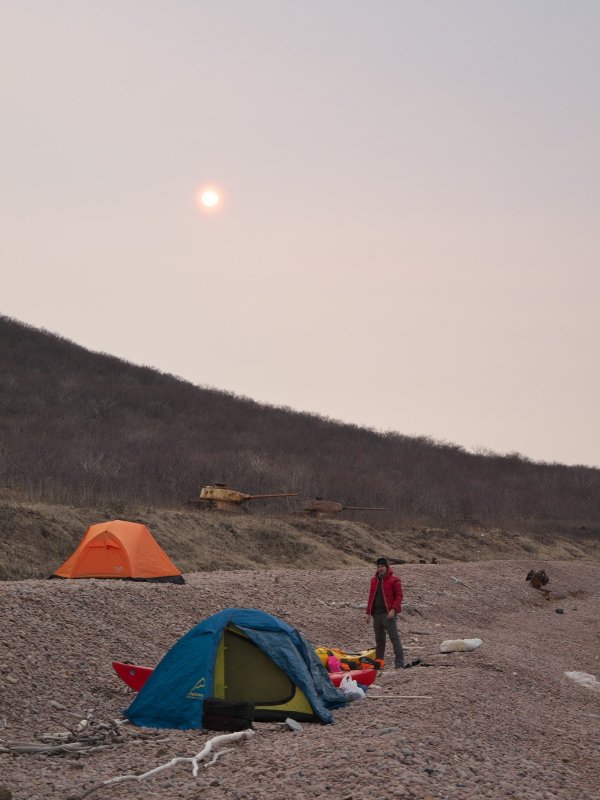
83,428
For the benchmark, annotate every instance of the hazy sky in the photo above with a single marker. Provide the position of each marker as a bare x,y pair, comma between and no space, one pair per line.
410,236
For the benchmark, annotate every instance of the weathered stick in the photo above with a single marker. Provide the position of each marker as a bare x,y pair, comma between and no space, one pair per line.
48,749
218,755
462,583
399,696
208,747
342,604
91,738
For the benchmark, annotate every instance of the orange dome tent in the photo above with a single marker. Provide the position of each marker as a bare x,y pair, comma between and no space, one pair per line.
119,549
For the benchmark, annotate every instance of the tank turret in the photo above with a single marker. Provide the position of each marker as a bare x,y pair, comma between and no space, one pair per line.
220,497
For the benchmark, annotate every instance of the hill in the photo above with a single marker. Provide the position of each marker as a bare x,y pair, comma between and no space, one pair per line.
94,435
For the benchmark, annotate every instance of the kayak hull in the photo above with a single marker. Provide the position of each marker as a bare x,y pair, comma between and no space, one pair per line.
132,674
366,677
136,676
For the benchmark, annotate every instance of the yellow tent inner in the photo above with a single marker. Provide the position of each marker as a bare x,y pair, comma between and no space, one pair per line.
244,673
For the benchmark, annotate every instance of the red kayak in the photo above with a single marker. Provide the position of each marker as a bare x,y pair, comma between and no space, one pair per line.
363,676
135,676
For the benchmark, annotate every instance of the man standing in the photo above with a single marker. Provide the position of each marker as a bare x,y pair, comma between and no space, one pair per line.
385,601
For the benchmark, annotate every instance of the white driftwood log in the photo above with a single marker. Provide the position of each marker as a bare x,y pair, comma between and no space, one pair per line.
194,761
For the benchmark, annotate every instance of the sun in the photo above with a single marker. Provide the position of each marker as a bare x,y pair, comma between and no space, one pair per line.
209,198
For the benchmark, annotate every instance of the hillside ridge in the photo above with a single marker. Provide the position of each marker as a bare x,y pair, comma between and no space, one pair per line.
84,429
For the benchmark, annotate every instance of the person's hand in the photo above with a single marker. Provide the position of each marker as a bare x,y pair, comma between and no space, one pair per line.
391,613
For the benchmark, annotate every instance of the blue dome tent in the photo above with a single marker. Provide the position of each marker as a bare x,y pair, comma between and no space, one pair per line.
237,655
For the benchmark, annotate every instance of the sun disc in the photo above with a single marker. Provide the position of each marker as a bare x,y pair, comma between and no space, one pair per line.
209,198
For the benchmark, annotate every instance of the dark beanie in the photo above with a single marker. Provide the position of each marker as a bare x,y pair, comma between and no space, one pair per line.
382,561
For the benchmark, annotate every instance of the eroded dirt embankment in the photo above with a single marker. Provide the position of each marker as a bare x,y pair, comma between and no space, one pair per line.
36,538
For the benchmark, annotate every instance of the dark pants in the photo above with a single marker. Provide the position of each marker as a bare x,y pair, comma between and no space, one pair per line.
381,626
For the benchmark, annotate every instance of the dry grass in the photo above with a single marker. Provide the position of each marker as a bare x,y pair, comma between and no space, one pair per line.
35,538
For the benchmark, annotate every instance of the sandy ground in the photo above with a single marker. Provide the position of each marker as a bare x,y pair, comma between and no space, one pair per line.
501,721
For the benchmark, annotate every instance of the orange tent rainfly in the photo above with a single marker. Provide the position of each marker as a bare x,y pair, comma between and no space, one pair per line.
119,549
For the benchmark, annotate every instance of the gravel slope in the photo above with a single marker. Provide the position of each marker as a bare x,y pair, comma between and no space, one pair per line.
501,721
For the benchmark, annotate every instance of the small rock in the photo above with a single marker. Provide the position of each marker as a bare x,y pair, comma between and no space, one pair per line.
560,610
293,725
5,793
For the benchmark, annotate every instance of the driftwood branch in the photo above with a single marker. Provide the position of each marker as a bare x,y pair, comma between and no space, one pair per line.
217,756
80,738
48,749
194,761
342,604
399,697
466,586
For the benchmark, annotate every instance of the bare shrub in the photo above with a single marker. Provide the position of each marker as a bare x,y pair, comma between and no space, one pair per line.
85,428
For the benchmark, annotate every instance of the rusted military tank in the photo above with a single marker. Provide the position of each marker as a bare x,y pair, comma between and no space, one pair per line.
318,507
221,498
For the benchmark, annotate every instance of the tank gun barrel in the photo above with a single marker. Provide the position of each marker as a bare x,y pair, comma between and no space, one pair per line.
321,506
267,496
364,508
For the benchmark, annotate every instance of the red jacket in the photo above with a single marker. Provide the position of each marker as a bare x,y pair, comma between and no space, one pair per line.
392,592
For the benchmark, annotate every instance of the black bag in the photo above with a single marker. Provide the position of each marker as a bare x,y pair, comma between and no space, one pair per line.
222,715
